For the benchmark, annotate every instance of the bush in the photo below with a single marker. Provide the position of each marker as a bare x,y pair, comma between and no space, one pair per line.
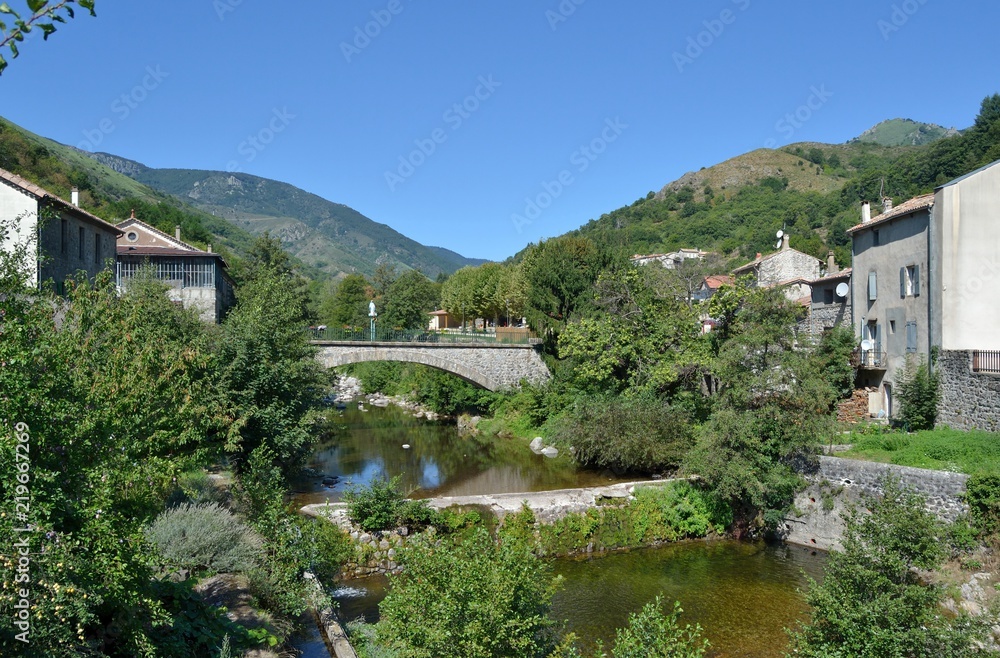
983,496
641,434
381,506
652,633
204,536
919,395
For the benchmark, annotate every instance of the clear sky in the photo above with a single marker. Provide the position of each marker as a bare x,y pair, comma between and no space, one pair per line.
448,116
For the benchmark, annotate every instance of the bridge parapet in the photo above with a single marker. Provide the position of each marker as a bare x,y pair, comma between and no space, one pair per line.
493,366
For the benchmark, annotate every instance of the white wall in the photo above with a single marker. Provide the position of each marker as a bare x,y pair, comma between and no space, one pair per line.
969,228
20,208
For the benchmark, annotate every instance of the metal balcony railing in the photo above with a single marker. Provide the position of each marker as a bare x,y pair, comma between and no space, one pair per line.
872,359
987,361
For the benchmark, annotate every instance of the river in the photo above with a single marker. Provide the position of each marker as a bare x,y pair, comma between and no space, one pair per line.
744,595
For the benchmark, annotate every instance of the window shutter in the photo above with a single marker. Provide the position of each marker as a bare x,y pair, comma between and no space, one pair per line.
872,296
902,282
878,339
916,280
911,336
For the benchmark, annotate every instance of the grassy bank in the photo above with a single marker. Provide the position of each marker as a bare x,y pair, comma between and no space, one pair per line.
974,453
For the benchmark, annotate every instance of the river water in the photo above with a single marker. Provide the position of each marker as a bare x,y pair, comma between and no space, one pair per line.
743,595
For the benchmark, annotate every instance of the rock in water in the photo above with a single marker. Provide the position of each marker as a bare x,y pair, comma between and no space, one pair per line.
536,445
550,452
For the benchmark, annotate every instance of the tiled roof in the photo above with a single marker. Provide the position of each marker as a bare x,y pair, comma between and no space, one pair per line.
905,208
133,220
42,194
716,281
125,250
842,274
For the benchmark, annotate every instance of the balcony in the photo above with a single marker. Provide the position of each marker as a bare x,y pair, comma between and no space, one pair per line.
987,361
871,359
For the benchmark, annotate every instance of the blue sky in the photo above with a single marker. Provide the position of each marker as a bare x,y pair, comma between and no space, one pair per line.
483,126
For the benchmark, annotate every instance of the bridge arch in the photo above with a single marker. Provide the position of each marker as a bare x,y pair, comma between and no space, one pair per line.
492,367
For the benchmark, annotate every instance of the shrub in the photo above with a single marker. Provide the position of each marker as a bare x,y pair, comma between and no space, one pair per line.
641,434
204,536
919,395
381,506
652,633
983,496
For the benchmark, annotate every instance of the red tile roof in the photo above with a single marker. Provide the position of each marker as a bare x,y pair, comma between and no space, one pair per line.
905,208
716,281
42,194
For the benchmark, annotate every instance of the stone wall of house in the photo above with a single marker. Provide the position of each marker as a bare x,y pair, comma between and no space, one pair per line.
828,316
969,400
787,265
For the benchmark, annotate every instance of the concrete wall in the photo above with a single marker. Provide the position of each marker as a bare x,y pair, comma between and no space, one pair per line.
967,244
968,400
65,254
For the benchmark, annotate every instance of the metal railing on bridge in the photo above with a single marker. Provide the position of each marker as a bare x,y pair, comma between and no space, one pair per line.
389,335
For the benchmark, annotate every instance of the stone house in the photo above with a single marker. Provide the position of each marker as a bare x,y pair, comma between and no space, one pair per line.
927,279
64,238
710,285
830,301
787,268
197,279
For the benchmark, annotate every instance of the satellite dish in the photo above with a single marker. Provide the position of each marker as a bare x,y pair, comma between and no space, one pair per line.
780,235
867,344
842,290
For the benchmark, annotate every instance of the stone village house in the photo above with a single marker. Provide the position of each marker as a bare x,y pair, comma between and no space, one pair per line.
65,238
787,268
197,279
926,278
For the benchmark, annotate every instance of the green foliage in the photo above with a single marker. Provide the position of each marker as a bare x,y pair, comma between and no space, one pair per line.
653,633
408,301
872,601
636,435
919,394
435,389
834,354
42,15
347,306
983,496
973,452
560,273
203,537
474,598
381,506
490,291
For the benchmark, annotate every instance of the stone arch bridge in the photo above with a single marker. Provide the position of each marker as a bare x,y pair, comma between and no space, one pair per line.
493,366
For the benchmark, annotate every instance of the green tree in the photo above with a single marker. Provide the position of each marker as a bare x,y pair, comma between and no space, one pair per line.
408,301
383,278
267,259
774,401
561,273
476,598
919,394
348,305
460,296
42,15
872,601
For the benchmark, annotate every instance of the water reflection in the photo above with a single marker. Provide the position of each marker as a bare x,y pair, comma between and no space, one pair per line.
743,595
439,462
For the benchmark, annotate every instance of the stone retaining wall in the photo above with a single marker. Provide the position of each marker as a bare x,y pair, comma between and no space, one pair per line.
968,400
837,483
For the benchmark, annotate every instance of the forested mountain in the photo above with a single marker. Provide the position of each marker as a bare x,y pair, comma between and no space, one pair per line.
812,191
330,236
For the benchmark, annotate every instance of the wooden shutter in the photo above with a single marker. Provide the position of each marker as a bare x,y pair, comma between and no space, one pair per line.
916,280
902,282
872,287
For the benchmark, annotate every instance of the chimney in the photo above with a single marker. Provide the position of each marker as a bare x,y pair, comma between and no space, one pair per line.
210,248
886,204
866,212
75,197
177,231
831,264
759,255
784,241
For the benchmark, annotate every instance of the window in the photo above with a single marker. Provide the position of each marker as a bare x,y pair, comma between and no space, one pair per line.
80,241
911,337
97,248
63,235
892,326
872,286
828,296
875,239
909,281
132,236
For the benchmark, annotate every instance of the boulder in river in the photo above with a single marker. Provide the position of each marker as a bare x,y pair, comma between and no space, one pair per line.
550,452
536,445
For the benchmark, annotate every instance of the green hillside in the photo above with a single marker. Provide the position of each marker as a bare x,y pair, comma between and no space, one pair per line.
331,237
904,132
107,193
812,191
